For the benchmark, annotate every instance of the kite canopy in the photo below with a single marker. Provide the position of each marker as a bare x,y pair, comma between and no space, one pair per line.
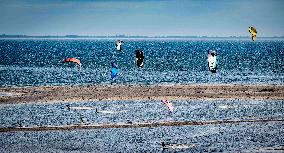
253,32
118,45
114,70
139,58
212,61
168,104
74,60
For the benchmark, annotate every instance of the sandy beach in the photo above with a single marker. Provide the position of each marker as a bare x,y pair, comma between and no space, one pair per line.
137,92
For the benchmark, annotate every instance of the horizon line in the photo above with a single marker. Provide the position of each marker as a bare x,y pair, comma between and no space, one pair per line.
123,36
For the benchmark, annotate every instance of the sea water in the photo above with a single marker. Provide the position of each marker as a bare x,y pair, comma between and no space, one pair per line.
239,137
37,62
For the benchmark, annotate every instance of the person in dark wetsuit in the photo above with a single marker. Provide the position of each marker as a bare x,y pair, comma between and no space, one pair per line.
139,58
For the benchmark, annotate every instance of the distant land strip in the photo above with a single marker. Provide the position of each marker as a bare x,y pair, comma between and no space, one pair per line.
123,36
39,94
134,125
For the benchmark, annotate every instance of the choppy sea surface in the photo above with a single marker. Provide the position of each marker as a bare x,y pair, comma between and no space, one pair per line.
36,62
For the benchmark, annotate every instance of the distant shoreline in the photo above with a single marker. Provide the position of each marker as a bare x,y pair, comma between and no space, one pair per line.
42,94
3,36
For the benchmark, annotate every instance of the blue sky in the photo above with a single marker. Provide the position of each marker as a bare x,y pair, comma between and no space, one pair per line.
142,17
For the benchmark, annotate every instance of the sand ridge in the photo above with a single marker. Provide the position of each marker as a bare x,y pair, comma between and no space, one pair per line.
139,92
134,125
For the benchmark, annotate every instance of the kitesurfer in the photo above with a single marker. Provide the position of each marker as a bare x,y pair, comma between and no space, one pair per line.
212,61
139,58
114,70
118,45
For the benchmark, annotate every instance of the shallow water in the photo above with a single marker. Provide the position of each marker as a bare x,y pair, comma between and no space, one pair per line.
137,111
28,62
211,138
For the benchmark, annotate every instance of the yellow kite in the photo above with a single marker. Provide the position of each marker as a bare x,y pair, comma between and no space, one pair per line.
253,32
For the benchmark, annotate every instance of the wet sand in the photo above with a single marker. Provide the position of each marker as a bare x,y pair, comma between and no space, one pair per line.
11,95
133,125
